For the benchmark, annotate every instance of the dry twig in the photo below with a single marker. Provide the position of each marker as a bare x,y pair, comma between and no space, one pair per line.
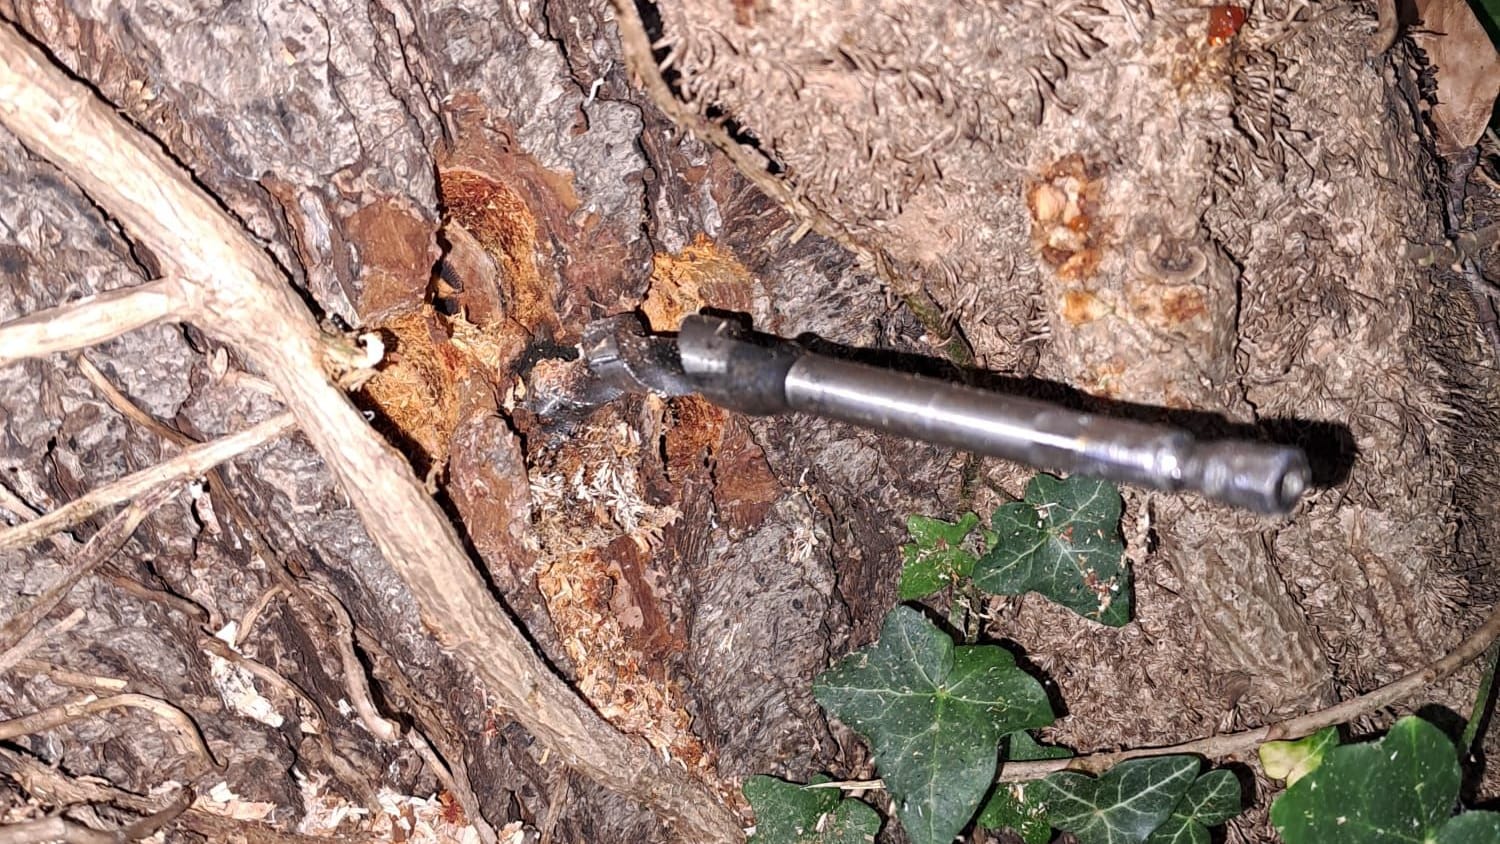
1233,744
556,799
428,726
190,464
68,677
170,600
101,547
297,601
253,612
56,788
315,719
267,674
35,637
754,165
457,784
236,293
58,829
191,740
635,44
123,403
19,508
91,320
356,685
1219,747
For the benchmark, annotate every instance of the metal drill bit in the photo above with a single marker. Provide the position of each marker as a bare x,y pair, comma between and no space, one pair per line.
762,375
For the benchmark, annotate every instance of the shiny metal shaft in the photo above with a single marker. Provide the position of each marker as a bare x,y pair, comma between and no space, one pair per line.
1261,477
760,375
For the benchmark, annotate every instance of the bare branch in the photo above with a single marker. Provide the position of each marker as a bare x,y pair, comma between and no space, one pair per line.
239,296
95,319
635,44
101,547
147,826
127,408
18,507
356,684
316,718
1233,744
189,464
35,637
426,725
223,650
56,830
753,164
58,789
171,601
457,784
253,612
68,677
189,739
299,605
556,799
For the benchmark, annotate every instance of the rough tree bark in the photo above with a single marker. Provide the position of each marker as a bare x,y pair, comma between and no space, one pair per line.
890,174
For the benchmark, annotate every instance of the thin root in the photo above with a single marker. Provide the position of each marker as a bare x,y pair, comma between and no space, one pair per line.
189,739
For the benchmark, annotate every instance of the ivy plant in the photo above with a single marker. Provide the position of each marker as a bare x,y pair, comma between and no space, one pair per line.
1293,760
1063,541
1212,799
938,555
933,715
1014,806
1400,789
1155,801
1125,805
788,813
938,715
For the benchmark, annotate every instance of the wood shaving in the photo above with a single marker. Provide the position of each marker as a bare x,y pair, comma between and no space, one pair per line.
236,685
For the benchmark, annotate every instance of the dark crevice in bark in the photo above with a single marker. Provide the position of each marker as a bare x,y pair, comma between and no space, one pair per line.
714,112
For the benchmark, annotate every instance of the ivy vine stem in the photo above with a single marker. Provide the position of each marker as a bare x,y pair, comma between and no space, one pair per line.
1481,700
1218,747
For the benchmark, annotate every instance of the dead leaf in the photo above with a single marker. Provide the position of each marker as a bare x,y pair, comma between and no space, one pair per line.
1468,71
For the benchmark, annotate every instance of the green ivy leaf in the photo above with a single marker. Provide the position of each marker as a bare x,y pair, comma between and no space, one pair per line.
1021,747
787,813
936,556
1397,790
1471,828
1211,800
933,714
1293,760
1125,805
1013,806
1063,541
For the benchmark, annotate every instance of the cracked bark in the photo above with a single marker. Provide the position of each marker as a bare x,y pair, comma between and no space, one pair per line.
324,128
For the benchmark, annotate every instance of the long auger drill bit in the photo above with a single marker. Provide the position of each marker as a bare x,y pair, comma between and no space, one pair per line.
756,374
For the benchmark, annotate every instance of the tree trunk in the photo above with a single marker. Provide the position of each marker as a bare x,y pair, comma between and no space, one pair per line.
1105,202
